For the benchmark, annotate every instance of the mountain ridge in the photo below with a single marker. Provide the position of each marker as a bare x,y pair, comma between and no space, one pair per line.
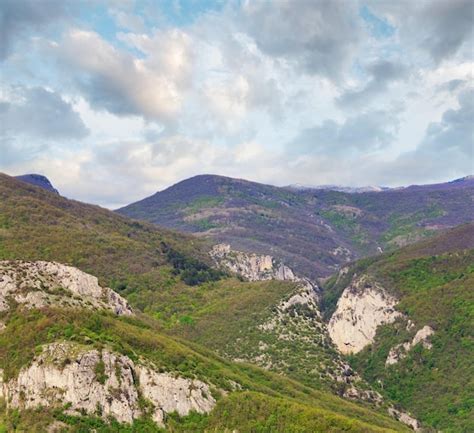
313,231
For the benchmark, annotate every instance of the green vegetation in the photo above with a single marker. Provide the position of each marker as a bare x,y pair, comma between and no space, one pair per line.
26,331
434,281
203,202
192,271
38,225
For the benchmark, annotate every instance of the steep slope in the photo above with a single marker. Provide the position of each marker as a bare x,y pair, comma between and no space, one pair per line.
38,180
81,368
314,231
406,319
39,225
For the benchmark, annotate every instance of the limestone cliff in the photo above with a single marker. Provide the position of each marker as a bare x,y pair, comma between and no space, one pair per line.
40,284
103,383
362,307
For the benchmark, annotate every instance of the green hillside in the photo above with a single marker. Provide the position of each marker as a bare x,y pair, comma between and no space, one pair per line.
434,280
289,406
167,275
37,224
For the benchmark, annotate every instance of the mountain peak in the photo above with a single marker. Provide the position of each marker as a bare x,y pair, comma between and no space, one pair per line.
38,180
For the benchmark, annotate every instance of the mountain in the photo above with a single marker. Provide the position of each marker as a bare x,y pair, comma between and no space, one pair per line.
173,278
340,188
74,352
406,321
315,232
38,180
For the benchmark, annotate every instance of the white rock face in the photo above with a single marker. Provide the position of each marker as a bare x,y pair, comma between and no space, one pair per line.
170,394
256,267
400,351
405,419
363,306
39,284
67,373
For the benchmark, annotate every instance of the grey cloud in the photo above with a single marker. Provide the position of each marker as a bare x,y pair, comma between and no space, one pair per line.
18,17
455,130
365,132
449,24
14,152
452,85
114,80
40,114
320,36
383,73
446,151
439,27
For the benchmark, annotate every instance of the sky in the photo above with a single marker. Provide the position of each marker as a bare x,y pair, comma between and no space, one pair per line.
115,100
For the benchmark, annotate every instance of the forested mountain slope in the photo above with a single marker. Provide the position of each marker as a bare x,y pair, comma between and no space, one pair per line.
313,231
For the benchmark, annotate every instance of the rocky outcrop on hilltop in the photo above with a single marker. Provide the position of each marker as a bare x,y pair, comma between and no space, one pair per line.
256,267
363,306
253,267
41,284
102,383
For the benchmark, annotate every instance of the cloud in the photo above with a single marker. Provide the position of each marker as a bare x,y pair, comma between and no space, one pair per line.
19,17
441,28
123,84
455,130
449,25
365,132
383,73
319,36
40,114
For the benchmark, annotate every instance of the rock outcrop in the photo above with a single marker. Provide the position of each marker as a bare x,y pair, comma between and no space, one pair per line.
362,307
253,267
405,419
103,383
400,351
256,267
40,284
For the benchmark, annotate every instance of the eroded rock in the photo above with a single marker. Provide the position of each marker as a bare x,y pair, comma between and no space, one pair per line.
362,307
103,383
400,351
40,284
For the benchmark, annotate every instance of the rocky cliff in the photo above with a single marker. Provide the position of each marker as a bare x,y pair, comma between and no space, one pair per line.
363,306
102,383
39,284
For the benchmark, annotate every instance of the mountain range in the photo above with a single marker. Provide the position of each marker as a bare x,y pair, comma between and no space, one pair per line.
313,231
200,331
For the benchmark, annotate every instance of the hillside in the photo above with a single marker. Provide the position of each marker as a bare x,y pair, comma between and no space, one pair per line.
80,368
313,231
412,337
36,224
171,278
38,180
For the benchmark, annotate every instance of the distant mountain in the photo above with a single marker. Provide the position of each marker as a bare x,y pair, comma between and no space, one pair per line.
314,231
38,180
339,188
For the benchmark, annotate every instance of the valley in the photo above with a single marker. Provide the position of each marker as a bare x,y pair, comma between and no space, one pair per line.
243,331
